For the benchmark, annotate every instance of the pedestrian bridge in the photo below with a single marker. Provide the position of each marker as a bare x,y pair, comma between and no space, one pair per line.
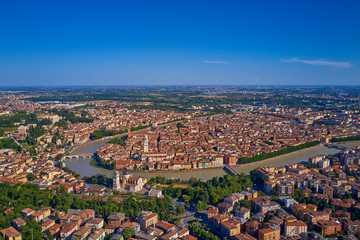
79,156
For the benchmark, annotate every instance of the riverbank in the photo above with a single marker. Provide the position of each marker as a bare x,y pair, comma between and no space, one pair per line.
93,162
278,152
345,139
267,160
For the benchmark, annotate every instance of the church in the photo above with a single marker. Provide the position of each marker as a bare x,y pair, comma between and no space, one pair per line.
127,182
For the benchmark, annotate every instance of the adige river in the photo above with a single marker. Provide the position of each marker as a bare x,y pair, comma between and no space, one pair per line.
83,167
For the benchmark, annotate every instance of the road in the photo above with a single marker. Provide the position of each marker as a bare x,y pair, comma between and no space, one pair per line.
19,144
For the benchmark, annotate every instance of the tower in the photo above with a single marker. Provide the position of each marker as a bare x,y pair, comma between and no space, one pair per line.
116,181
146,143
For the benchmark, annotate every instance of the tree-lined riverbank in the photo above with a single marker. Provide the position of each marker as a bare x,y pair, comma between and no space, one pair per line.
278,152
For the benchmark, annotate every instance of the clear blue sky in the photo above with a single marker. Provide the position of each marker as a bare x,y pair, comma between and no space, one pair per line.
238,42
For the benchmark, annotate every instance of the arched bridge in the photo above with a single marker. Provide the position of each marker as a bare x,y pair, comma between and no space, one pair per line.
79,156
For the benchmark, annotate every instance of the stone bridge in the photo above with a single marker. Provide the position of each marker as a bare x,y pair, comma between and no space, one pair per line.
79,156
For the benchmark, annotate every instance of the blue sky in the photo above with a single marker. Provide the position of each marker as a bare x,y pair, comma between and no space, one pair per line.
239,42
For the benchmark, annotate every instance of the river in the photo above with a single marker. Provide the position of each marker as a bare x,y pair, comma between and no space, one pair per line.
83,167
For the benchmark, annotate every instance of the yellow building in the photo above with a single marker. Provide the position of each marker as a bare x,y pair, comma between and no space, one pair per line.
10,234
269,234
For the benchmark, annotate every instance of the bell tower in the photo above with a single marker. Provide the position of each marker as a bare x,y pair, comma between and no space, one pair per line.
116,181
146,143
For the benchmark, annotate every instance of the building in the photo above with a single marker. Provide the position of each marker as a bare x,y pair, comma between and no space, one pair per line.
269,234
211,212
115,219
67,230
243,213
97,235
127,182
26,212
285,189
170,235
218,219
324,163
154,156
118,237
146,143
350,227
230,159
313,217
230,200
23,130
316,159
189,237
11,234
37,216
311,236
147,219
165,226
287,201
46,225
225,207
17,223
242,236
326,190
96,223
116,181
230,228
294,228
329,227
82,233
46,211
132,225
155,193
252,226
183,232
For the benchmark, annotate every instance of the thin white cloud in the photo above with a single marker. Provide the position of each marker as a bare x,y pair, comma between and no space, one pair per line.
319,62
215,62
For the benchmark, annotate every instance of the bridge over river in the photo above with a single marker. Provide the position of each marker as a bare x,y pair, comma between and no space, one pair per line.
331,145
230,170
79,156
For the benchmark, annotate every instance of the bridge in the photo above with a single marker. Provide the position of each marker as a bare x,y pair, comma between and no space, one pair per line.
230,170
79,156
330,145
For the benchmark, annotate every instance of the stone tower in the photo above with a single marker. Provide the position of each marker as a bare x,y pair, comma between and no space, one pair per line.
146,143
116,181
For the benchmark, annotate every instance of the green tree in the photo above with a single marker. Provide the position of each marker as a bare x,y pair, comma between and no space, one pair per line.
245,203
49,236
128,233
30,177
201,206
180,210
